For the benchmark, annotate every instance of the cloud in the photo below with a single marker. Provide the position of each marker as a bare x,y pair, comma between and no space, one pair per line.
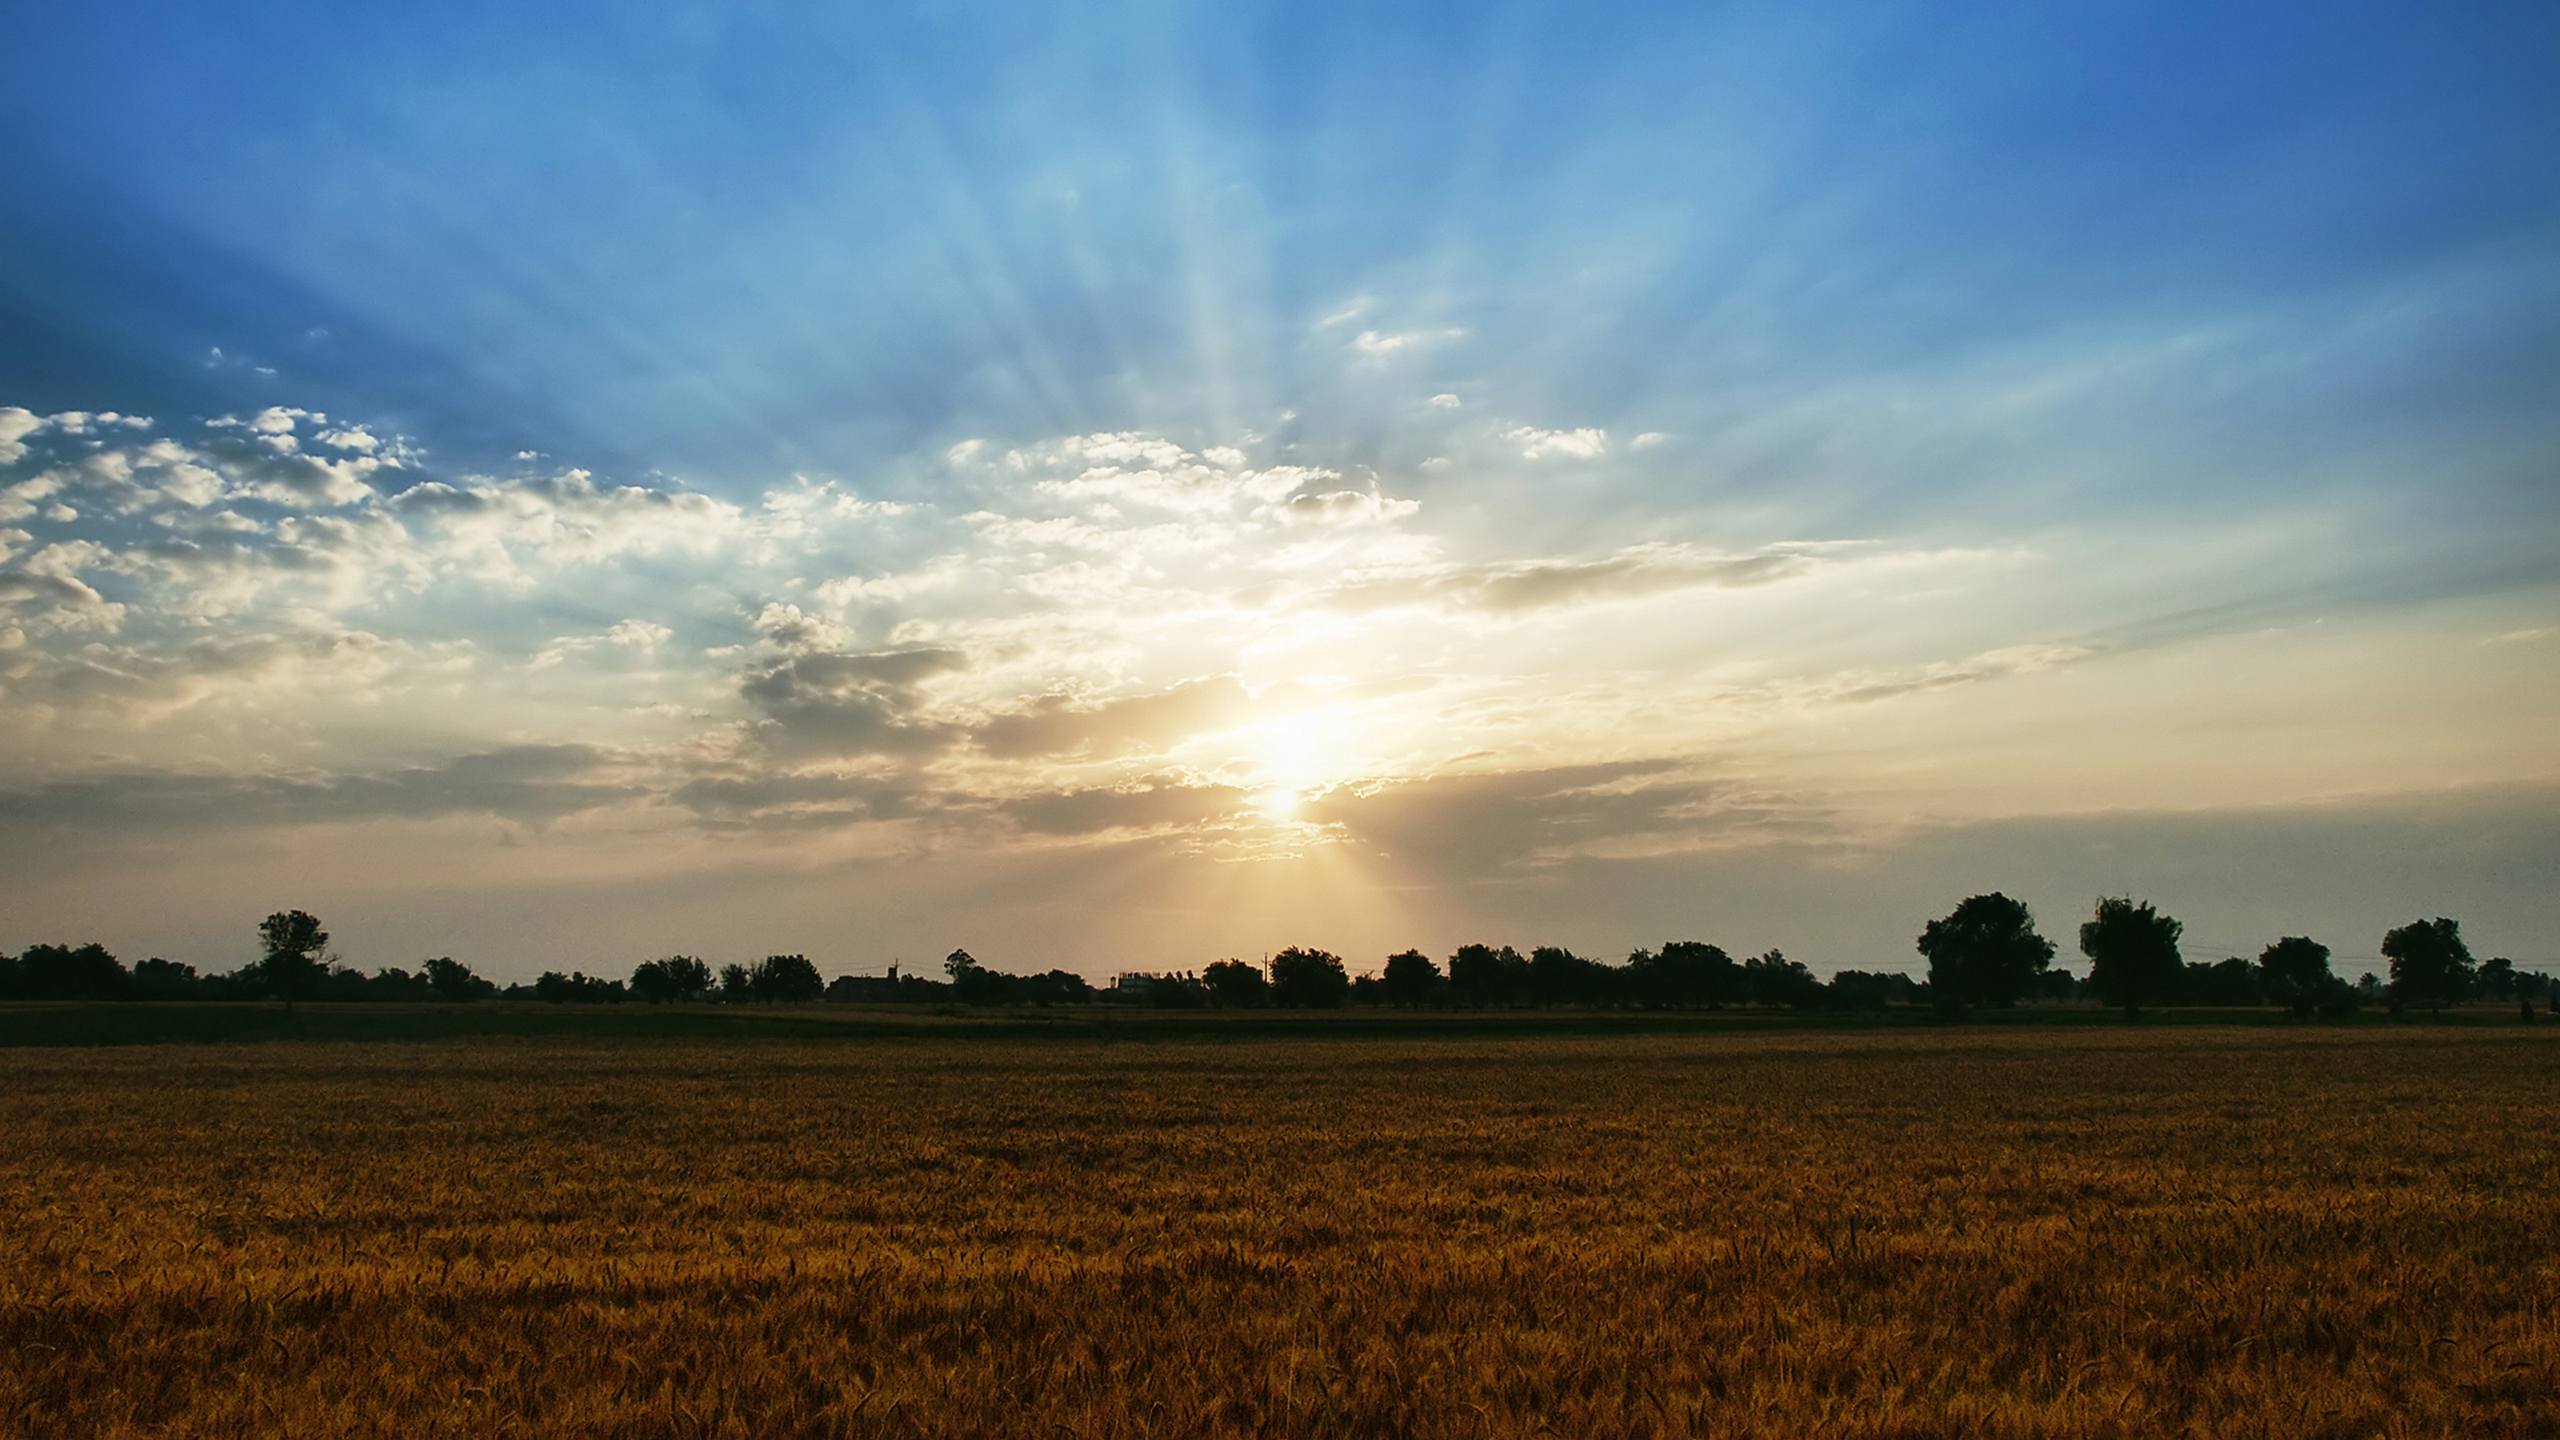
1520,587
788,626
58,601
1130,467
1446,401
1379,344
2525,636
533,784
1990,665
640,636
1347,313
1648,440
765,799
1535,444
495,529
1494,824
101,687
1061,724
16,423
1147,807
47,585
1343,507
844,704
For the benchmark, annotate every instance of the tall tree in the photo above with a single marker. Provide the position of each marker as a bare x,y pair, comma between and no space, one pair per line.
2430,966
293,954
1304,979
2295,973
1697,975
785,979
1775,982
1984,952
2133,953
450,979
1410,979
1481,975
69,972
1557,976
1235,984
2498,978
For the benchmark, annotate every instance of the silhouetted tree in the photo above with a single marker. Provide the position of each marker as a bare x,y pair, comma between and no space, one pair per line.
676,977
450,979
2497,978
576,988
2231,981
158,979
785,979
1778,983
1557,976
1177,992
1480,975
1411,979
293,954
1865,990
2294,973
2430,966
388,983
2133,953
1985,952
1235,984
958,961
737,984
1305,979
69,972
1690,974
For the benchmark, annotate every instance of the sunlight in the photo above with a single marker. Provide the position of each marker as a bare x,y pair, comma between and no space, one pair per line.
1294,756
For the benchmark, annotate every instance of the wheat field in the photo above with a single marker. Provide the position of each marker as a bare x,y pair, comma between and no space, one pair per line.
2218,1231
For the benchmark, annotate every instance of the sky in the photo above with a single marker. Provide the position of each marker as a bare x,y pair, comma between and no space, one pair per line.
1120,486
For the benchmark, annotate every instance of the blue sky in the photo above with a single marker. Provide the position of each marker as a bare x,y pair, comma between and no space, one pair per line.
2098,341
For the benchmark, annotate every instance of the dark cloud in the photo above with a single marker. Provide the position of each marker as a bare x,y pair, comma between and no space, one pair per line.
527,783
1475,826
100,683
1095,811
1063,724
844,703
763,798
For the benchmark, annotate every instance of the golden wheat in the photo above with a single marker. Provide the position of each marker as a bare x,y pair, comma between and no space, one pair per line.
2029,1232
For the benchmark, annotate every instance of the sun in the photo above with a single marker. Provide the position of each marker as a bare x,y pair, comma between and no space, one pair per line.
1293,757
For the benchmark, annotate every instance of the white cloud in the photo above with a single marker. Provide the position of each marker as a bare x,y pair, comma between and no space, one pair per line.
638,634
16,423
1343,507
1648,440
1587,443
1378,344
1347,313
2522,637
644,636
1446,401
22,500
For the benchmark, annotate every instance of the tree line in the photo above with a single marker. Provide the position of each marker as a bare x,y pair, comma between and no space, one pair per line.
1985,954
